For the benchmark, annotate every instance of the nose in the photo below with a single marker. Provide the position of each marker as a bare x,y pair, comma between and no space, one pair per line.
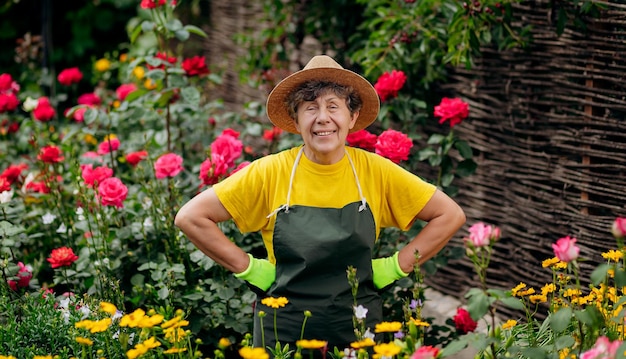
323,115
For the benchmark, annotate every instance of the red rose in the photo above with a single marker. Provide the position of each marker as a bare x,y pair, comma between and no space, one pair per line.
8,102
463,321
5,185
39,187
195,66
394,145
135,157
151,4
168,165
125,89
163,57
94,176
389,84
453,109
50,154
13,172
44,111
89,99
70,76
112,192
362,139
62,257
273,134
6,82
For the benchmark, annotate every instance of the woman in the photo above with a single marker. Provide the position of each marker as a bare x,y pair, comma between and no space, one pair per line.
320,208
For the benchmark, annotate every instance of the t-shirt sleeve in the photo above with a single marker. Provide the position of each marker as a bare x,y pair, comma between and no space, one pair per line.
406,194
245,198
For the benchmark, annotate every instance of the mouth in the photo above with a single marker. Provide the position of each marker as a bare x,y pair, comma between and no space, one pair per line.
323,133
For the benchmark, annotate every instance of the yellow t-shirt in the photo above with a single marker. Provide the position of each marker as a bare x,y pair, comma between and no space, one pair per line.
395,195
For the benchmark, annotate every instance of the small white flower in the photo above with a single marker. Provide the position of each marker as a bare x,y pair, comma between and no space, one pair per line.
80,213
6,196
148,222
30,104
369,334
48,218
349,353
147,203
62,228
66,316
85,311
64,303
29,178
118,314
360,312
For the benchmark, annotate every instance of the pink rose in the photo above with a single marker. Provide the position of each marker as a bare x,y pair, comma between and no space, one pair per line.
112,192
602,349
228,146
481,235
94,176
109,145
213,169
168,165
425,352
394,145
79,114
565,249
362,139
89,99
70,76
453,109
123,90
619,227
24,274
463,321
389,84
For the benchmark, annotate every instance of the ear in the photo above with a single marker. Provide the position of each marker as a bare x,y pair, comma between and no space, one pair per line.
295,122
354,117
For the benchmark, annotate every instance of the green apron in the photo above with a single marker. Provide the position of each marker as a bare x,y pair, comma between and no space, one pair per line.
313,249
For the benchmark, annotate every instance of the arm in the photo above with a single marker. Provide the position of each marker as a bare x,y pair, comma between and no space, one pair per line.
198,219
444,217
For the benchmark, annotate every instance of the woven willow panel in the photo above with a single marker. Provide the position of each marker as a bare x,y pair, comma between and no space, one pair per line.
549,132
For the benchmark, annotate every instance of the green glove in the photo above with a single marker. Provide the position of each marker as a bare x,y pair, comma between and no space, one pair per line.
386,271
260,273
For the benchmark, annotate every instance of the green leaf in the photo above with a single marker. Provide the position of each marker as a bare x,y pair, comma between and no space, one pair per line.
163,293
620,278
435,139
454,347
566,341
599,274
195,30
513,303
147,26
182,35
466,168
478,305
534,353
621,351
464,149
561,319
589,316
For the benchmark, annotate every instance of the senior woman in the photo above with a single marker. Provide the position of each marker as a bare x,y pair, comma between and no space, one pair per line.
320,207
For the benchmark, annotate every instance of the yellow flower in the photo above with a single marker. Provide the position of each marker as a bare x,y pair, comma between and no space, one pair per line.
84,324
419,323
139,72
174,334
7,357
136,352
367,342
548,288
526,292
311,344
90,139
517,288
149,322
538,298
388,327
84,341
253,353
550,262
175,350
132,320
171,322
386,350
613,255
116,103
108,308
42,357
275,302
102,65
109,137
123,57
509,324
224,343
100,325
571,292
149,84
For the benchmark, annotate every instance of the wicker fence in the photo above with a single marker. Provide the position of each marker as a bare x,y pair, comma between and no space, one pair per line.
548,125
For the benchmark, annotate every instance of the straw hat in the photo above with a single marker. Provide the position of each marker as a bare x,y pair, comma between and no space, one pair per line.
323,68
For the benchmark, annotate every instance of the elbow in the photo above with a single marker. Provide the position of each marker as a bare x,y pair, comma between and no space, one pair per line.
181,219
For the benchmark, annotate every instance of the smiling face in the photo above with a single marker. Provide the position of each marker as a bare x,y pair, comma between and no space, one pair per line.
324,114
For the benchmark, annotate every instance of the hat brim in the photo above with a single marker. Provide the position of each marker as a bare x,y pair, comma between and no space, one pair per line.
277,109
